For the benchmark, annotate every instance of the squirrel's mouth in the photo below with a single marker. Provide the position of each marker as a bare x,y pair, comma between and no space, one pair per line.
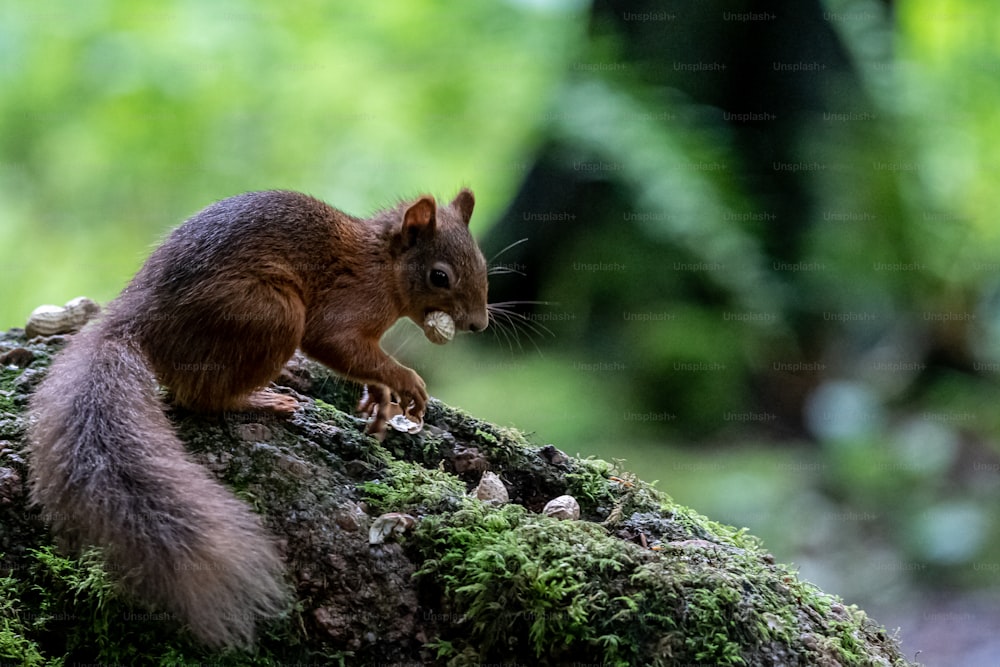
439,327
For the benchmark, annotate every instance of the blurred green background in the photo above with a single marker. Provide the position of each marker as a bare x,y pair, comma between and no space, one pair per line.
759,260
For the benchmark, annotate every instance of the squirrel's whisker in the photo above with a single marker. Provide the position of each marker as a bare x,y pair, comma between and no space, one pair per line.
507,319
506,248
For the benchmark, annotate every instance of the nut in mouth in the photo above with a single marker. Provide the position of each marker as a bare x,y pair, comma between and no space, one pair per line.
439,327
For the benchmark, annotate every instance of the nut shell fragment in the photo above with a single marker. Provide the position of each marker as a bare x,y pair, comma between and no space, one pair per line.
563,507
491,489
401,421
439,327
404,424
49,320
392,523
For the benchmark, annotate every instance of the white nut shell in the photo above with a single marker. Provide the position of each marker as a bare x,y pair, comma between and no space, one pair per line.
563,507
404,424
50,320
389,524
400,421
491,489
439,327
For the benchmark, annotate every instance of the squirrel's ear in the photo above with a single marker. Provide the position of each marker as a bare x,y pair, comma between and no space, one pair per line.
464,202
419,219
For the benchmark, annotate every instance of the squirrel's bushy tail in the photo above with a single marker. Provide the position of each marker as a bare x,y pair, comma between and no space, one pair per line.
108,470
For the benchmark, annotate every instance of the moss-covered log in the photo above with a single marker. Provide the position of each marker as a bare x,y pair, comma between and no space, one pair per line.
638,580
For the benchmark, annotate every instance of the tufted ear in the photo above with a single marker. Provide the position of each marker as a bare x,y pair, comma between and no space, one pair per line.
464,203
419,219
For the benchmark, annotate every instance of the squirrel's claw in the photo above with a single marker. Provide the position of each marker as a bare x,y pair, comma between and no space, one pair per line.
375,401
377,404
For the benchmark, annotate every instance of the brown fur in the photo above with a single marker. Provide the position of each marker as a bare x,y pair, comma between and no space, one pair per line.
213,315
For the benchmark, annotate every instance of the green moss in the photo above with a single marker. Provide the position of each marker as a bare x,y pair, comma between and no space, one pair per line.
641,580
331,414
521,586
333,390
408,487
486,437
589,483
501,445
14,630
708,618
13,646
519,577
7,393
511,574
72,599
72,613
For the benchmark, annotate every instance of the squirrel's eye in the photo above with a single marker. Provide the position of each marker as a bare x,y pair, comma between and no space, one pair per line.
439,278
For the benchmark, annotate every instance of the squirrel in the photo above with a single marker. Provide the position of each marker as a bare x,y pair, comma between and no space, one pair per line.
213,316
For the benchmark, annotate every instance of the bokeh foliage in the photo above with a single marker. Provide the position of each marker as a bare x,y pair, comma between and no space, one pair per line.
794,248
119,119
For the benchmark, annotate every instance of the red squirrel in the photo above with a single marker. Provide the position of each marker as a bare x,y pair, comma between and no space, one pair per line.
212,316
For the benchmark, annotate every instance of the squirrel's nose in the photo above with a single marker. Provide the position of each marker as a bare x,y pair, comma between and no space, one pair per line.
479,322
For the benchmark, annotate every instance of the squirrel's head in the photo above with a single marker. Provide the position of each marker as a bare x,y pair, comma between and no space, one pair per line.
442,267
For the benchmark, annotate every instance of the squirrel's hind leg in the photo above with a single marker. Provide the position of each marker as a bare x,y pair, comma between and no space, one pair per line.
266,400
235,354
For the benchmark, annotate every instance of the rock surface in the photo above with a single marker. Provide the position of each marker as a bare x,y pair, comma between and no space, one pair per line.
638,580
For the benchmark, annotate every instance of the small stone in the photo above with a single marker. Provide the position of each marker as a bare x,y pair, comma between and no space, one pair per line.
293,466
19,357
10,486
350,517
553,455
563,507
491,489
469,458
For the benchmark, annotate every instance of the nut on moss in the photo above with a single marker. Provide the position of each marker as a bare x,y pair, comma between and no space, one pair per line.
390,523
49,320
491,489
563,507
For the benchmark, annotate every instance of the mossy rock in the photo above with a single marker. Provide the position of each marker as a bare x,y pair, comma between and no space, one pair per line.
638,580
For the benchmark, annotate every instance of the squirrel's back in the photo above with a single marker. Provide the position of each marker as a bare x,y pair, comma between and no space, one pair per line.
220,305
245,234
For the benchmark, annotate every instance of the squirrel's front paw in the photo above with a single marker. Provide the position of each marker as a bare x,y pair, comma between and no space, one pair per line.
405,415
413,397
